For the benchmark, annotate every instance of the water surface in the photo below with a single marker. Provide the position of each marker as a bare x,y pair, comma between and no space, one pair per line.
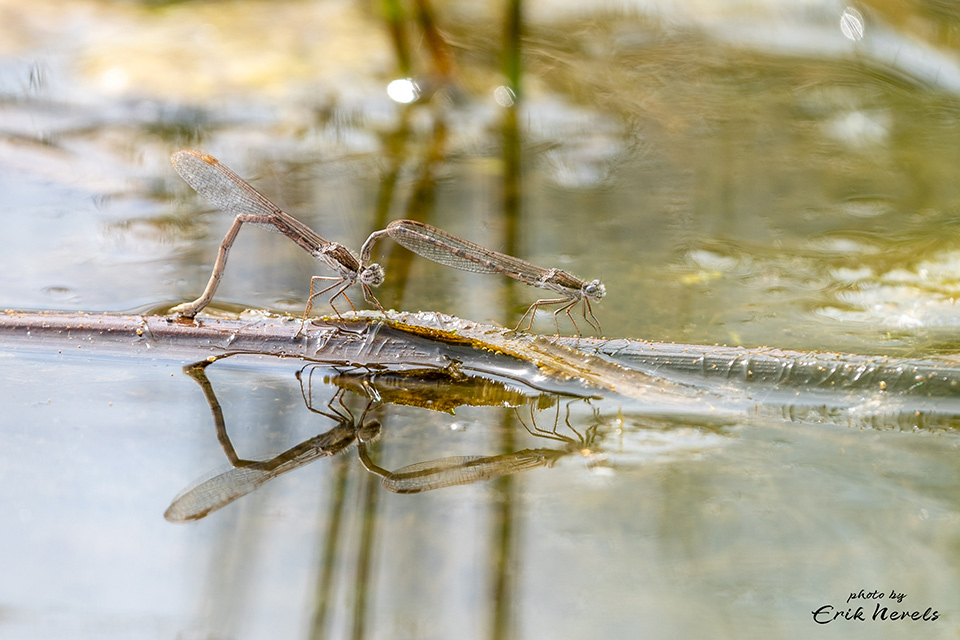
744,177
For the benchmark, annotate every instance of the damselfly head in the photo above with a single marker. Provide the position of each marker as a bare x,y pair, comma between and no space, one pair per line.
594,290
372,275
368,431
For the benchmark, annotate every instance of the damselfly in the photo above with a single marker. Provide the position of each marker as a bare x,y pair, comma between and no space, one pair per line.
447,249
226,190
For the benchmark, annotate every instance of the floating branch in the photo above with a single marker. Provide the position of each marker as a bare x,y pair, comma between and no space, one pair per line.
368,340
665,378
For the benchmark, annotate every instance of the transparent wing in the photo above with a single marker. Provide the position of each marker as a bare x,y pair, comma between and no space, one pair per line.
222,489
219,185
449,250
226,190
215,493
448,472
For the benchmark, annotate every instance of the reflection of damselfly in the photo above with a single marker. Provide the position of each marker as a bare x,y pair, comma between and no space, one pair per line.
580,441
246,475
458,470
449,250
226,190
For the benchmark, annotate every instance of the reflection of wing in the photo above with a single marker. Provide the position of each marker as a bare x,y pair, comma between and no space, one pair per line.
221,490
215,493
447,472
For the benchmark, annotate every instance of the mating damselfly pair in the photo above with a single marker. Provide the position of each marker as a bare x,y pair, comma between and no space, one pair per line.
226,190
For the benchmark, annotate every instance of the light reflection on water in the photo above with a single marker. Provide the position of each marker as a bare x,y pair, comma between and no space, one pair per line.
762,181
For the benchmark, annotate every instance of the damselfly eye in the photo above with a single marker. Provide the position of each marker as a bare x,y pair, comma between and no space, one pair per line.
594,289
369,431
372,275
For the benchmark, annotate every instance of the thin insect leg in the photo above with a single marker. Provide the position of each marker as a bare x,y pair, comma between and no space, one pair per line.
556,420
372,299
370,390
597,422
338,416
347,298
566,308
589,309
537,431
366,409
344,411
306,393
342,292
591,432
308,398
594,410
198,371
566,421
191,309
533,309
338,398
346,285
556,424
313,295
368,430
550,434
516,410
309,307
313,370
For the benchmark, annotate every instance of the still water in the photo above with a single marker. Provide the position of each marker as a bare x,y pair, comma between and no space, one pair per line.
782,175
